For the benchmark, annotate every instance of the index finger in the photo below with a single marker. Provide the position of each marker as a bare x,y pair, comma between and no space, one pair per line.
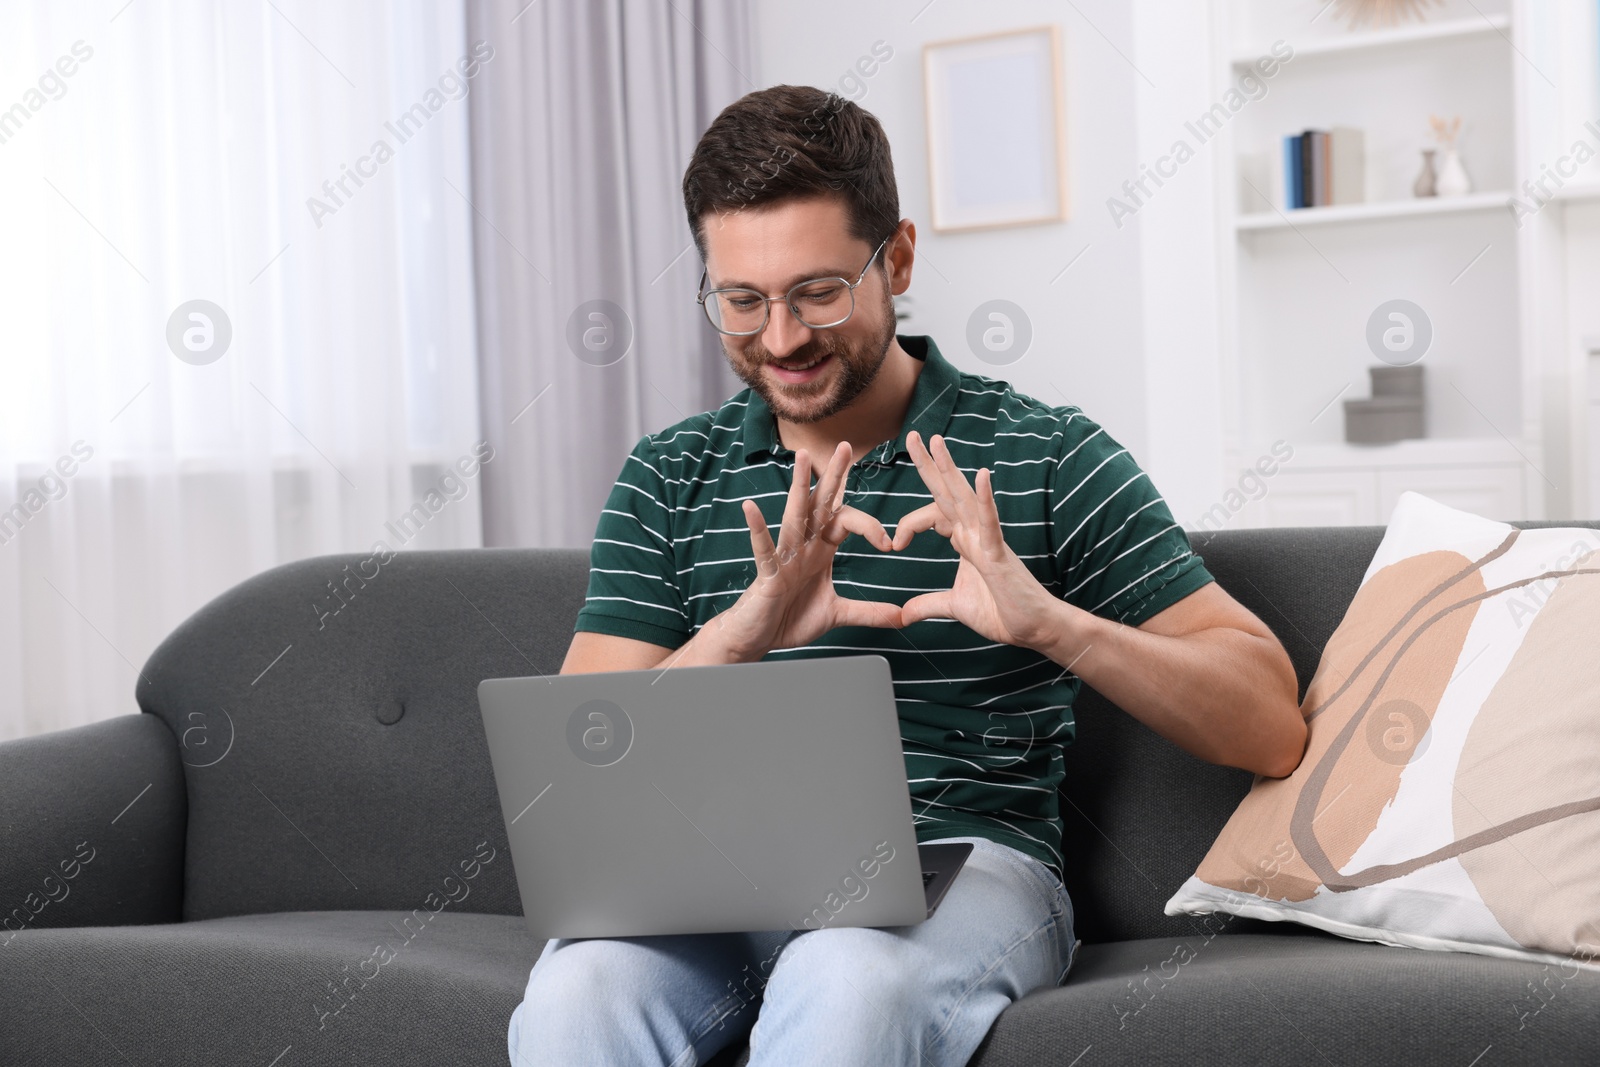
855,520
933,476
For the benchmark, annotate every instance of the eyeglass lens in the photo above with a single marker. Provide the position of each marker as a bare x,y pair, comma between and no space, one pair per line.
818,304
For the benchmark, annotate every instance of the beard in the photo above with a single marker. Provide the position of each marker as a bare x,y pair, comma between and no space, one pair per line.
855,367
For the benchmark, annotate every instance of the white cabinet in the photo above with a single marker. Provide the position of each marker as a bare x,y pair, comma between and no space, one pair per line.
1315,498
1594,460
1593,502
1493,492
1352,485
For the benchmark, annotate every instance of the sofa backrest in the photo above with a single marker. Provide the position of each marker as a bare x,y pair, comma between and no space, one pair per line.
327,719
328,722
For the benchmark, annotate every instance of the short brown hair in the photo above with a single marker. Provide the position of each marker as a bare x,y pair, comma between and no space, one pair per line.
791,142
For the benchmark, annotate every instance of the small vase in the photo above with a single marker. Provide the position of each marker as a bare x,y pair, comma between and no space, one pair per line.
1452,180
1425,183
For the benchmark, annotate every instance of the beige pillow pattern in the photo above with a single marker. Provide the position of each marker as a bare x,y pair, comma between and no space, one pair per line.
1449,797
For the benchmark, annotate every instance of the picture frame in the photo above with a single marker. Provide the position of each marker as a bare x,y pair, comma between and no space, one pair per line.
996,130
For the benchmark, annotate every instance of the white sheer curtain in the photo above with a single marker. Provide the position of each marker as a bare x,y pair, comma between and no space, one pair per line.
153,154
580,139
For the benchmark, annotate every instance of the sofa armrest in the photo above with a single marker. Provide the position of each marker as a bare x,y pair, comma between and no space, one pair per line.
93,819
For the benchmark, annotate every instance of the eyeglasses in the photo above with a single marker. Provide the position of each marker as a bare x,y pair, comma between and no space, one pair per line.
818,303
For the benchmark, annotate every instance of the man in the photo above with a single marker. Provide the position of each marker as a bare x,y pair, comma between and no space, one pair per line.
993,599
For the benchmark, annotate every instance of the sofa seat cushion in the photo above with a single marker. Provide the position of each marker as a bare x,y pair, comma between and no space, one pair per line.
1276,998
1296,997
256,989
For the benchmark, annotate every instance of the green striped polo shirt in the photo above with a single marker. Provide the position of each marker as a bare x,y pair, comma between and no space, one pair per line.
982,722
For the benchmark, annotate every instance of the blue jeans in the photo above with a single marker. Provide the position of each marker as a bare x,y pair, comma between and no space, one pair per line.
921,994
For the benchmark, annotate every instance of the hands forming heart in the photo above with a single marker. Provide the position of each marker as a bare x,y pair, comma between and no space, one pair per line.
792,601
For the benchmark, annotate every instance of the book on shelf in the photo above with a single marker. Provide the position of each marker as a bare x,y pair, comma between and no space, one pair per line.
1347,179
1291,172
1322,168
1314,158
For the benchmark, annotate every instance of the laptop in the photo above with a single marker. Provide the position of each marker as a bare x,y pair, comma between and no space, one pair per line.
739,797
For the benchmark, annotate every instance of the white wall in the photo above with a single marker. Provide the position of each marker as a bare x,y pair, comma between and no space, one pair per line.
1177,228
1129,331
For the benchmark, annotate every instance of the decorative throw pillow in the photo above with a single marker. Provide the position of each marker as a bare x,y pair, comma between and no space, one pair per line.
1449,797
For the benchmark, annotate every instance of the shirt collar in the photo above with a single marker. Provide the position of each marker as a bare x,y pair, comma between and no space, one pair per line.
932,402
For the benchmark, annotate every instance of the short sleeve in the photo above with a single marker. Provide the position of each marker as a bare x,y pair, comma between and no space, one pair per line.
1118,551
633,579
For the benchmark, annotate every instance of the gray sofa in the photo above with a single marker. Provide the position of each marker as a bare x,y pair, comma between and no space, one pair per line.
295,855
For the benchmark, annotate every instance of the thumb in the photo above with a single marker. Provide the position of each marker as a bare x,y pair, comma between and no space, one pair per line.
850,612
939,605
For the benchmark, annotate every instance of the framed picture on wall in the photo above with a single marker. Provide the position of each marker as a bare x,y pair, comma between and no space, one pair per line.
997,150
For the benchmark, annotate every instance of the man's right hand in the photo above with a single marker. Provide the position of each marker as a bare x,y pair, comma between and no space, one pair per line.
792,601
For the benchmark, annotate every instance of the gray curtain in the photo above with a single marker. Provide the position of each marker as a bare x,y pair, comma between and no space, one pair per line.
582,123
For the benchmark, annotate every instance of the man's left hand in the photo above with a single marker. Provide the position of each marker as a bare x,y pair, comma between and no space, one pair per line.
994,592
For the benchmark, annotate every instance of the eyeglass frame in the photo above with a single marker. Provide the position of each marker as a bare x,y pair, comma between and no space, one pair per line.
767,301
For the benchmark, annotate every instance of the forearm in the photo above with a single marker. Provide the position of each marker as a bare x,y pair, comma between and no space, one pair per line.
710,646
1223,694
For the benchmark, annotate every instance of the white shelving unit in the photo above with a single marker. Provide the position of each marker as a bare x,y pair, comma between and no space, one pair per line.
1582,191
1399,36
1322,216
1299,286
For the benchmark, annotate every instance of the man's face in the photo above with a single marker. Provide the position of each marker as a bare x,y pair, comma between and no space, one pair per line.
770,250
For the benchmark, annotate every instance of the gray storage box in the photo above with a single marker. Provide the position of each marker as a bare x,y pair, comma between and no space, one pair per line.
1382,419
1396,381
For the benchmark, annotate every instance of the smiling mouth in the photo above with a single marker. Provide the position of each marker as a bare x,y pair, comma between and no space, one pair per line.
800,366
